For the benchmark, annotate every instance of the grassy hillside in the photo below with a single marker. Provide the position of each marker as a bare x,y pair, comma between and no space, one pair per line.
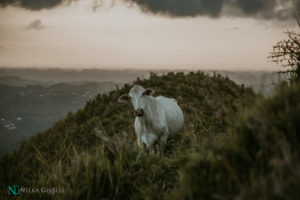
259,160
92,153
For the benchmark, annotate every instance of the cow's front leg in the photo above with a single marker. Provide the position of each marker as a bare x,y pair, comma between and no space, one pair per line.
151,142
151,138
163,141
139,141
138,131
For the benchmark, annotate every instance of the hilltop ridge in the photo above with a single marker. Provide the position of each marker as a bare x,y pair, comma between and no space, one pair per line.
102,135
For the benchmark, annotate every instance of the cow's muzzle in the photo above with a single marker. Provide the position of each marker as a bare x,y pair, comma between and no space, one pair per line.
139,112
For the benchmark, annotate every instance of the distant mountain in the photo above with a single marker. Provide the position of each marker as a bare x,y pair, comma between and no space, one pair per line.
19,82
260,81
74,75
28,107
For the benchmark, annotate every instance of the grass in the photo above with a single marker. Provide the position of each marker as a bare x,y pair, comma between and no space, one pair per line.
229,147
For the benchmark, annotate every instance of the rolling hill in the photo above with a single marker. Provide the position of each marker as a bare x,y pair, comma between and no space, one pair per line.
225,146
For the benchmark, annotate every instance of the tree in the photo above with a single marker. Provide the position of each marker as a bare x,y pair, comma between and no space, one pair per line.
287,53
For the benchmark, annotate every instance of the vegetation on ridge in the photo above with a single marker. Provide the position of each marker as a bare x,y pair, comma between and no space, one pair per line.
261,160
220,154
92,154
287,53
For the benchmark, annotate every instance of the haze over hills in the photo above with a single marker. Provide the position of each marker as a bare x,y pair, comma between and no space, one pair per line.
254,79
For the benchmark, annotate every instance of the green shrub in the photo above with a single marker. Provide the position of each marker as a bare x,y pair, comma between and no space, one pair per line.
260,160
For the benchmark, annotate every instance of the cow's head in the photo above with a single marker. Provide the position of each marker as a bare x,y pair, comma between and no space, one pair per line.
138,96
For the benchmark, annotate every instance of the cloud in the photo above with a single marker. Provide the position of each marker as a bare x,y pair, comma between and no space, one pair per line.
181,8
234,28
33,4
261,9
36,24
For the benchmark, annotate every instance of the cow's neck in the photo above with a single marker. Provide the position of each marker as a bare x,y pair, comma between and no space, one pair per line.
149,115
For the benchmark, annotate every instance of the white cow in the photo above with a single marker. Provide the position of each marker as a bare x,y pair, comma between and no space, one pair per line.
156,117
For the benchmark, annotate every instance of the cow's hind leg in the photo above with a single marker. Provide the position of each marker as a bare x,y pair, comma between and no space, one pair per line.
163,141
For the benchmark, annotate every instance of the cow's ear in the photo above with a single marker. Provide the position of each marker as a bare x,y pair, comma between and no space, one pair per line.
149,92
123,98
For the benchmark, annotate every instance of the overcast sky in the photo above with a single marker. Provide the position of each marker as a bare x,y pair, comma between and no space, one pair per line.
137,34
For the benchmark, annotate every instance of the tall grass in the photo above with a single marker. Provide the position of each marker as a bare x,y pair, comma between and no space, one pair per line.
259,160
92,154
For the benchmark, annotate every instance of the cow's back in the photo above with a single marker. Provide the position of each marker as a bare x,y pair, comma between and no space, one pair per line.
173,113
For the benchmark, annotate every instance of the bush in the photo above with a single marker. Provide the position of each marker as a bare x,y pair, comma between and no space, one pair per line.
261,158
287,52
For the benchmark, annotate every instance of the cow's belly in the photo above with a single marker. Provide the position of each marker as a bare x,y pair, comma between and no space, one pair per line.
175,126
173,116
174,120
